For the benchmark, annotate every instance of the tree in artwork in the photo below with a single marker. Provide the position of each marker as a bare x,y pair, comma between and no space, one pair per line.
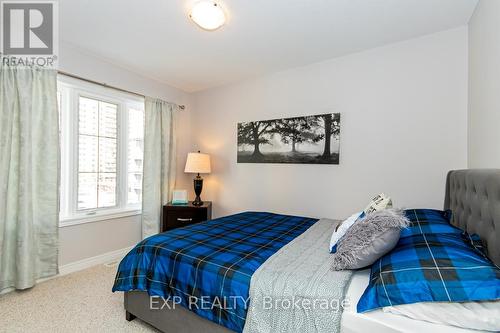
255,133
330,123
294,131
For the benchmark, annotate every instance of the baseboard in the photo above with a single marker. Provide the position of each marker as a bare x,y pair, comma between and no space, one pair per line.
93,261
83,264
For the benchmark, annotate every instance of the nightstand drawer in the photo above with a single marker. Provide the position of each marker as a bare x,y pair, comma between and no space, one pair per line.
181,216
177,219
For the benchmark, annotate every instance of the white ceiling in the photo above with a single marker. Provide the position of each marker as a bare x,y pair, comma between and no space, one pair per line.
157,39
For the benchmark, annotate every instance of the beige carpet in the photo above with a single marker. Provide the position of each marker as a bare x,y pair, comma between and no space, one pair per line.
78,302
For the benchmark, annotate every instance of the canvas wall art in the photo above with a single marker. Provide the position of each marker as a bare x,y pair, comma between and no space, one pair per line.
306,140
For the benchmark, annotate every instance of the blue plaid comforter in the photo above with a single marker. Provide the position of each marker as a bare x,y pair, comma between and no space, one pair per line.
433,261
207,266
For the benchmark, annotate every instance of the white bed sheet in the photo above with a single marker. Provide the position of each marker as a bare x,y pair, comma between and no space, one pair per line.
379,322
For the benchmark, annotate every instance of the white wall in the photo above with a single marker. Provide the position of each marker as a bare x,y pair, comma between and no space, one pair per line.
92,239
484,86
404,125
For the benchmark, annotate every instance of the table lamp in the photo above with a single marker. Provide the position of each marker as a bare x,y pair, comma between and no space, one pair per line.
197,163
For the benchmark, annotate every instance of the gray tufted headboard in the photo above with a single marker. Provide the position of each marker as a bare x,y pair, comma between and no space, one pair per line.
474,197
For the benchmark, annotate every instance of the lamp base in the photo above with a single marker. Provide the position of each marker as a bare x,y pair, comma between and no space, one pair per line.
197,202
198,186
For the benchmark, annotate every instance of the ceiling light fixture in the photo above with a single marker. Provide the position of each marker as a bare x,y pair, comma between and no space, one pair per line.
208,15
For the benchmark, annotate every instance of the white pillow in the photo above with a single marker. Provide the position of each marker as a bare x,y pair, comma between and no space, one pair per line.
469,315
342,229
379,202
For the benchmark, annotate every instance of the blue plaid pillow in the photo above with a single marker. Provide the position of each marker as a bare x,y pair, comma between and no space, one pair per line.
432,262
429,221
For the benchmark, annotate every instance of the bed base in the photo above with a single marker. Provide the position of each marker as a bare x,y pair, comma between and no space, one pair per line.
169,320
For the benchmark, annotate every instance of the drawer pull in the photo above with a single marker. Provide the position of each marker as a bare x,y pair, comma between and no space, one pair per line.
184,220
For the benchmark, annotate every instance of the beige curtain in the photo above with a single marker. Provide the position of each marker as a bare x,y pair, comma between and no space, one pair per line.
29,175
159,161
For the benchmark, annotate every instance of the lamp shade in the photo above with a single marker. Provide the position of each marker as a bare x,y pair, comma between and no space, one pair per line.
197,163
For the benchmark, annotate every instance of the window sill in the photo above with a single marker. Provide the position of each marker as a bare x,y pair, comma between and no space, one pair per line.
71,221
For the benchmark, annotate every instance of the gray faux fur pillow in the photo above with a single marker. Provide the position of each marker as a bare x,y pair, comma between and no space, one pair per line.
369,239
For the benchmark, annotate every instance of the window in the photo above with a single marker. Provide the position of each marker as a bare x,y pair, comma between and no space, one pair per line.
135,155
97,147
102,147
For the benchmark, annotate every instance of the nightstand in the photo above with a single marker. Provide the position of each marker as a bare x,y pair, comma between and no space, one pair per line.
175,216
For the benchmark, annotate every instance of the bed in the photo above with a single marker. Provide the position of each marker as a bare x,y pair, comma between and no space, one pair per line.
207,266
472,195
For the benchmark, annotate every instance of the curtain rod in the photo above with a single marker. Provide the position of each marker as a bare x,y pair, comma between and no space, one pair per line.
182,107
